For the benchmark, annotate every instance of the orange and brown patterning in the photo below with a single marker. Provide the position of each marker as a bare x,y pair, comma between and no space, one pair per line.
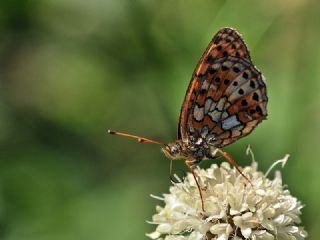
226,99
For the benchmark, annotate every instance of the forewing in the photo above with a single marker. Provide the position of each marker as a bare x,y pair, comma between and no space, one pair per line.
226,97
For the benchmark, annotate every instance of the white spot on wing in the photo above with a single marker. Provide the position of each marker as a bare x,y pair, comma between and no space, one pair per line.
227,64
213,106
221,103
207,105
213,87
211,138
205,85
224,115
230,122
204,131
216,66
215,115
198,113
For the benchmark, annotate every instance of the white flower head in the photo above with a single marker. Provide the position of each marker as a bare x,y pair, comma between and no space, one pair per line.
234,209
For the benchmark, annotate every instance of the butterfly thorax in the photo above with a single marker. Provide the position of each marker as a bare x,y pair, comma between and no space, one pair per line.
194,150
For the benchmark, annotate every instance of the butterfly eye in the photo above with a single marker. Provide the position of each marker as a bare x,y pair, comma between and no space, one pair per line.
174,150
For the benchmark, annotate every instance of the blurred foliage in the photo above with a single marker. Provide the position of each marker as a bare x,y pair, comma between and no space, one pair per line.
71,69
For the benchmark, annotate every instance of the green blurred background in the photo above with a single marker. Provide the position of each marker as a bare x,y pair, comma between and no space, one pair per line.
70,70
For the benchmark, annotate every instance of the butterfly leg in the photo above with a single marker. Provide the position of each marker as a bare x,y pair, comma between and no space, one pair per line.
233,163
194,162
190,165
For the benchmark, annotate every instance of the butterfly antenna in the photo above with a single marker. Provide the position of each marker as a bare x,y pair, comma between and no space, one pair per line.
139,139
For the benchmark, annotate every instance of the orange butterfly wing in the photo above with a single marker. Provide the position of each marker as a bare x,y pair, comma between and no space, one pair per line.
226,98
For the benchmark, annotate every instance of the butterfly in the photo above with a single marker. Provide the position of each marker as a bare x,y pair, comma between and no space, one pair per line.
225,100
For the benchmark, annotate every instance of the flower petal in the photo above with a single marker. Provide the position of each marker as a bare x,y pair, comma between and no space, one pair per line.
230,206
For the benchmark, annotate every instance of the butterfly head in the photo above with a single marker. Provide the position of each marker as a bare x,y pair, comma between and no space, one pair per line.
173,150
